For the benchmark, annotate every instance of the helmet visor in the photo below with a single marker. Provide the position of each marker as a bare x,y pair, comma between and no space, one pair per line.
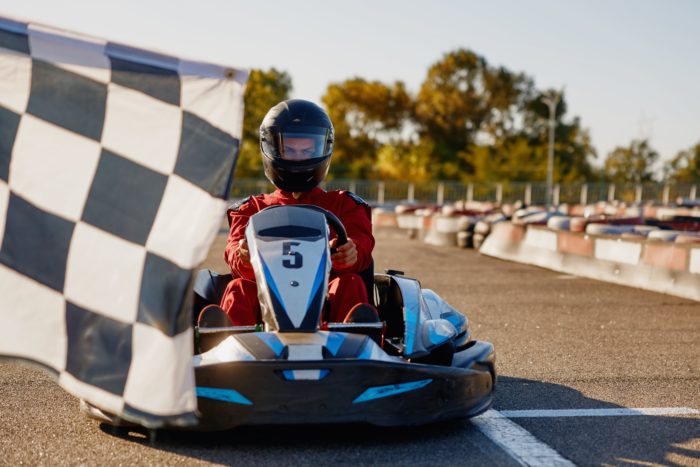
298,146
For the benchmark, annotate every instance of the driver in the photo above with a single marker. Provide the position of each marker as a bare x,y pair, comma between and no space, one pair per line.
296,141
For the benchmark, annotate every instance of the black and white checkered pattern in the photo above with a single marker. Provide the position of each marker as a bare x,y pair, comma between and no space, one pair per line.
114,162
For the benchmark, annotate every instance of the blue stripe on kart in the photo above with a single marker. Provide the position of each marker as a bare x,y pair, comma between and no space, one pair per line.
410,327
367,350
333,342
377,392
270,281
280,314
226,395
318,280
272,341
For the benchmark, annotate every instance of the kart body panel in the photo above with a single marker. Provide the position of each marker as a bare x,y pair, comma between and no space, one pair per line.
417,364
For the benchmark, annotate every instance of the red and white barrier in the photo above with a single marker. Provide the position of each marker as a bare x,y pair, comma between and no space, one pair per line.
672,268
383,218
444,229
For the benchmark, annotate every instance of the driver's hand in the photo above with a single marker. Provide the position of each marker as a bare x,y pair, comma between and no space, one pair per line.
345,255
243,252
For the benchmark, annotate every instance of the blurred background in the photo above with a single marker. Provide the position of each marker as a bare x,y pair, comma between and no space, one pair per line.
458,93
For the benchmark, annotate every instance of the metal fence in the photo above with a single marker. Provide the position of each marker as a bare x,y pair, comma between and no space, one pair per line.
390,192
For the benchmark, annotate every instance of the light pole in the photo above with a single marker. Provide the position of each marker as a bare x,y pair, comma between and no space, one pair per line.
551,101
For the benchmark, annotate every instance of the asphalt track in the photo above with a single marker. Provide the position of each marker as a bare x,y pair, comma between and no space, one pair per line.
562,343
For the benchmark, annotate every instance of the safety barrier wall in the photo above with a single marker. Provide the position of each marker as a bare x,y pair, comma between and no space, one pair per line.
666,267
672,268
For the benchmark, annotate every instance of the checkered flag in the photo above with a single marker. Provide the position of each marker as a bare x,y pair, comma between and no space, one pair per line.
114,162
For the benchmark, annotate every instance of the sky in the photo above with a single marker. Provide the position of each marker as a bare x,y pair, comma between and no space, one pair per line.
629,69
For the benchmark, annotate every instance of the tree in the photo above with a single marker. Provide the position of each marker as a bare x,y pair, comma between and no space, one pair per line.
405,161
573,149
464,101
632,164
470,121
685,167
521,153
265,89
514,158
366,115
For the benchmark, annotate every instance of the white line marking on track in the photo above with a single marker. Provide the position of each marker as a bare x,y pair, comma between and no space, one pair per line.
615,412
525,449
519,443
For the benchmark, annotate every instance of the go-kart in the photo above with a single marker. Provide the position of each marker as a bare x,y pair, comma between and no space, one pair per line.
416,364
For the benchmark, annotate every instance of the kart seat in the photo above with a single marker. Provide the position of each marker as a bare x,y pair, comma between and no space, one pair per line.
367,276
389,303
209,287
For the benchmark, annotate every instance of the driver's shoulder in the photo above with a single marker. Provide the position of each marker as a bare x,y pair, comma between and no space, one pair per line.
348,197
250,204
236,205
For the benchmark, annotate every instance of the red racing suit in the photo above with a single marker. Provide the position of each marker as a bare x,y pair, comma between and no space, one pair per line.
345,288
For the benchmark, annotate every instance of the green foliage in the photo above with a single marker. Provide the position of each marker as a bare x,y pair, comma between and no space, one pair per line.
464,99
469,121
264,90
631,164
366,115
685,167
404,161
573,150
514,158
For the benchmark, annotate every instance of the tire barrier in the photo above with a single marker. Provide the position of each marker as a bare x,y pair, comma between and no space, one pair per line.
468,224
559,223
664,235
595,228
383,218
444,229
688,237
578,224
415,223
655,264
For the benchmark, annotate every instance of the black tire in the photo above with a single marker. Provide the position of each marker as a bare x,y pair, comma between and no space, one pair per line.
477,240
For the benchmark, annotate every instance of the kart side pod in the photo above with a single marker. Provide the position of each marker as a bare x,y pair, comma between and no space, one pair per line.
430,322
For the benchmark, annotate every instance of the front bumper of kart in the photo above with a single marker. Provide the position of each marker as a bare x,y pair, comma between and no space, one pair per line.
268,392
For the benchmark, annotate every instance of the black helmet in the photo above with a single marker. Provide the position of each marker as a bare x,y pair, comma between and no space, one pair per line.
296,140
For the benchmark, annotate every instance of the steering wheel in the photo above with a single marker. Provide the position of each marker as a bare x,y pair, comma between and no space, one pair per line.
331,219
